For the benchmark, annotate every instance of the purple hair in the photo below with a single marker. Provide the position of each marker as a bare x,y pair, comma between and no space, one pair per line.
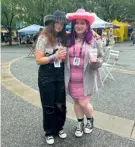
87,37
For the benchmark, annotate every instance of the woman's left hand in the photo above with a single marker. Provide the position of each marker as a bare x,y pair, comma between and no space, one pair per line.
63,54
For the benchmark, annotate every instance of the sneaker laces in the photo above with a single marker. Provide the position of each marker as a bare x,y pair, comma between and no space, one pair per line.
49,137
61,132
79,126
89,124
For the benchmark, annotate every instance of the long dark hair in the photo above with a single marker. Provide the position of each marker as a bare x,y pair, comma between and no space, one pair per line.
87,36
52,35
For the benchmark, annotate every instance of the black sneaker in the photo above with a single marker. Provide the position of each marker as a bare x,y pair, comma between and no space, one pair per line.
79,129
89,126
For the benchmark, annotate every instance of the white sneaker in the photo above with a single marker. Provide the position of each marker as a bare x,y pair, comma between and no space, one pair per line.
89,126
50,139
62,134
79,129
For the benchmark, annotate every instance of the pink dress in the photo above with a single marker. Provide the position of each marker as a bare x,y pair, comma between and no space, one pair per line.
76,74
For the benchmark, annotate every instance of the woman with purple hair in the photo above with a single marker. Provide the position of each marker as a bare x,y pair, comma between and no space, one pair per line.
81,68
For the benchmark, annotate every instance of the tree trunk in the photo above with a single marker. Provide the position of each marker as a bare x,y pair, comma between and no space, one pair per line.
42,20
10,35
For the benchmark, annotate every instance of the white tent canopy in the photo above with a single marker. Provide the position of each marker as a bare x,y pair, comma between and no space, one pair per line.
99,23
30,29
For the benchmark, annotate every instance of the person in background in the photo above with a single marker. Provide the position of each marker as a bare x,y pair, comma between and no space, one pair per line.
104,37
82,77
133,36
6,39
50,55
110,33
111,37
28,39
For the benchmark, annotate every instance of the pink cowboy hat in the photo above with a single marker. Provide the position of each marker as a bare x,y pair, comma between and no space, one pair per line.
82,14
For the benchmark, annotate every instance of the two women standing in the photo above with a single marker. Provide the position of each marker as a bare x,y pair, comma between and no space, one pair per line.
79,63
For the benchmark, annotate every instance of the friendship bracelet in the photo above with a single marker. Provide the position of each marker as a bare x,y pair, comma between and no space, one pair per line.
52,58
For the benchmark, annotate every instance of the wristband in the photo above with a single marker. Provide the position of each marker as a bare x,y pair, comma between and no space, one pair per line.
52,58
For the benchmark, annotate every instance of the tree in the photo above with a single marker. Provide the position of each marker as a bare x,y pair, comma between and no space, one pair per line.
116,9
129,10
9,15
33,11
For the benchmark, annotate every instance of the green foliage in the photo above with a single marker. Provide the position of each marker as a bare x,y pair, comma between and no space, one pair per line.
9,15
33,11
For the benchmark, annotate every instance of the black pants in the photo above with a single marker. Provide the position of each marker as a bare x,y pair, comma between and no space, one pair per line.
53,100
54,107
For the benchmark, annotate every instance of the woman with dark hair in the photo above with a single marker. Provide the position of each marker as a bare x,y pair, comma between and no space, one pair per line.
81,68
50,53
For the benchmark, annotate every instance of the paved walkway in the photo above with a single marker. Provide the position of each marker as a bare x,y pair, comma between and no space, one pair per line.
110,121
